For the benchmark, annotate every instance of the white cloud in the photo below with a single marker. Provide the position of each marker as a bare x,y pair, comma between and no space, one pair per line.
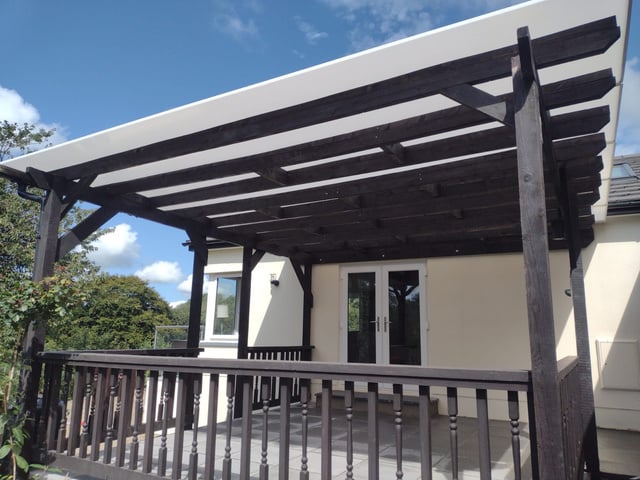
311,34
161,272
117,248
628,135
228,20
15,109
177,303
185,286
374,22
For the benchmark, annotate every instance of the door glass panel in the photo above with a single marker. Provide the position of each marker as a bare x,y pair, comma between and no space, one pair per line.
361,317
404,317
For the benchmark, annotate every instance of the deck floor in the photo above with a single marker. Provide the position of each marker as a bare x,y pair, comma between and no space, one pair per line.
619,451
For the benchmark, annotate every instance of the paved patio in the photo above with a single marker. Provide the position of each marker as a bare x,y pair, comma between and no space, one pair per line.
619,450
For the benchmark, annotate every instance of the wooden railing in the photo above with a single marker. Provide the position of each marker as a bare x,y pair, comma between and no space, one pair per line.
287,353
572,424
100,416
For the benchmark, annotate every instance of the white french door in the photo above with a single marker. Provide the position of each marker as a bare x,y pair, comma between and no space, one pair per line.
384,314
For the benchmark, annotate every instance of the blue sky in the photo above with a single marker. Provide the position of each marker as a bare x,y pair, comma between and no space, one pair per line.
83,66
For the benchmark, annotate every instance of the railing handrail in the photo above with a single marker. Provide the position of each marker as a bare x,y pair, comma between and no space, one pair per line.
519,380
149,352
278,348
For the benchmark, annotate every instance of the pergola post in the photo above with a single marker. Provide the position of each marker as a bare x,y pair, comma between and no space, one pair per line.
533,218
199,246
45,257
578,297
304,277
249,261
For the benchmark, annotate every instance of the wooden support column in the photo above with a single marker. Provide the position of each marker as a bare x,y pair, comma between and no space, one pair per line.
586,401
45,256
304,277
529,141
200,252
249,261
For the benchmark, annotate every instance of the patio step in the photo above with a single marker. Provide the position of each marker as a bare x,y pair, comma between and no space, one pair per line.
385,403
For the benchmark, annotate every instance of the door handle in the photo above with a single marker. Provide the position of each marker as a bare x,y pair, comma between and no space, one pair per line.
377,322
386,324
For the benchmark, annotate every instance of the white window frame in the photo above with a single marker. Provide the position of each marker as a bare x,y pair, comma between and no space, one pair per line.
212,308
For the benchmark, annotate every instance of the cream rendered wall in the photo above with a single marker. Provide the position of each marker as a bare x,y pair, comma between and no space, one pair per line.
477,315
276,311
612,280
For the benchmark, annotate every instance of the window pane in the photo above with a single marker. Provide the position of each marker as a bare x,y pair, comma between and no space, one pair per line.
226,315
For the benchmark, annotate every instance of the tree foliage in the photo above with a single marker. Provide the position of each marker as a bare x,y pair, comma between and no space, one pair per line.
82,308
117,312
181,312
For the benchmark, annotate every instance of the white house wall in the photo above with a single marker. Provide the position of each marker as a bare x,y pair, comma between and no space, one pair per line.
612,280
275,311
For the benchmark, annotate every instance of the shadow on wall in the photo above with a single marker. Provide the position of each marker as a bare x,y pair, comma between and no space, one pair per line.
282,320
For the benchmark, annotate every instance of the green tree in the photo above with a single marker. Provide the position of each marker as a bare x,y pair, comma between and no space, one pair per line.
181,312
117,312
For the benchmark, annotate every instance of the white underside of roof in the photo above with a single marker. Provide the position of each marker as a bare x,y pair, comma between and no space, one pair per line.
460,40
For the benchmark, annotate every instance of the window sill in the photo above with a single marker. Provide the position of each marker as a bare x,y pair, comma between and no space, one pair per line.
228,342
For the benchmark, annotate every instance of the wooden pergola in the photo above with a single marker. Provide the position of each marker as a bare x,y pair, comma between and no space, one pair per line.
468,156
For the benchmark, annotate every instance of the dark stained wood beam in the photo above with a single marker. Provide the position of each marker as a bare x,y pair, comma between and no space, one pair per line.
577,154
83,230
548,412
569,125
74,192
580,89
494,107
579,42
275,175
395,151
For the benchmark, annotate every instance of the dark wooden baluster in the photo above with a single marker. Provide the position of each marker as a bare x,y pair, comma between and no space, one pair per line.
483,434
325,442
98,414
124,417
285,428
452,410
212,422
348,407
50,411
266,396
304,403
89,408
108,439
75,420
245,443
374,437
226,462
397,412
166,414
152,392
424,409
62,429
514,416
193,456
137,420
178,439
